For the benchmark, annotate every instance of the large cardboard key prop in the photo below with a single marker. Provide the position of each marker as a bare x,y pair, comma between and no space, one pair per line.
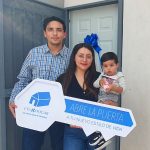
42,103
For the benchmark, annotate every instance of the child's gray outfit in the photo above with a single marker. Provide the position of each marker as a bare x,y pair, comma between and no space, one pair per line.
96,139
117,79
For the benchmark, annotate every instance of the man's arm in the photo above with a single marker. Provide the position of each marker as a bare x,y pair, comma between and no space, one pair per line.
25,76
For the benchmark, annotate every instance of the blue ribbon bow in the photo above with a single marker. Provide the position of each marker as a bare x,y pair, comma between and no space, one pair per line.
93,41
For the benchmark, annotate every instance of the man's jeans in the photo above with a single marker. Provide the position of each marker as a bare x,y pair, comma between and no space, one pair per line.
33,140
75,139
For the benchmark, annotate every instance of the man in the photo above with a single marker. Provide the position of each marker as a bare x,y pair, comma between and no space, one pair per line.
45,62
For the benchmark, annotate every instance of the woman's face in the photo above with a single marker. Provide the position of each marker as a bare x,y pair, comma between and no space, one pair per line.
83,59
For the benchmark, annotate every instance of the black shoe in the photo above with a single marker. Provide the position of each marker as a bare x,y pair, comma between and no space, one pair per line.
95,138
102,144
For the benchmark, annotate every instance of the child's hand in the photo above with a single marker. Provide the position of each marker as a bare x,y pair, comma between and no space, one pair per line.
102,82
105,85
109,87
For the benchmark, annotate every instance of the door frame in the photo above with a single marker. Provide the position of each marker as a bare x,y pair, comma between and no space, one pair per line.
120,21
119,35
2,85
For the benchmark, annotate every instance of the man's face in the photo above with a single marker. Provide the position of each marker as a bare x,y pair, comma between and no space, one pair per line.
54,33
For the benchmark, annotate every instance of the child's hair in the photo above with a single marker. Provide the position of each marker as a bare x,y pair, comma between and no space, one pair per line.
109,56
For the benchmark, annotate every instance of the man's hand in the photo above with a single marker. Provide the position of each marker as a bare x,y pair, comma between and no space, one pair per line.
12,107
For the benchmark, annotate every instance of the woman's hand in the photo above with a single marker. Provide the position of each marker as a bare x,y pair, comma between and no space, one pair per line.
110,102
74,126
114,88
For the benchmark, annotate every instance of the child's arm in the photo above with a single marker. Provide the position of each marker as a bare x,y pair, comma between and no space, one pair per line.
96,83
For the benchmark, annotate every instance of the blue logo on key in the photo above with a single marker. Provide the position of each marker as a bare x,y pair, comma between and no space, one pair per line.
40,99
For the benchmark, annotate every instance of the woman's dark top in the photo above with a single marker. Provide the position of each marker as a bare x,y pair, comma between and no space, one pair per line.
75,90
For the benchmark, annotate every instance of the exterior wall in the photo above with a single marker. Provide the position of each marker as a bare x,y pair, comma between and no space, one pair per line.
2,84
25,19
136,60
70,3
57,3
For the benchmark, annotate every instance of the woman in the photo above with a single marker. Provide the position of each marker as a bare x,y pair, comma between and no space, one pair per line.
78,82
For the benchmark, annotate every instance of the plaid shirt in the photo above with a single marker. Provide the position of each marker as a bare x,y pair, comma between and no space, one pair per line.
41,63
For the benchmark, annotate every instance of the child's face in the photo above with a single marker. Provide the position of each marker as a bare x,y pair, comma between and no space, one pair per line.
110,67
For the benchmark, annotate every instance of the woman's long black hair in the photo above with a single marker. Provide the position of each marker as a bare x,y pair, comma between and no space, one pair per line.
89,74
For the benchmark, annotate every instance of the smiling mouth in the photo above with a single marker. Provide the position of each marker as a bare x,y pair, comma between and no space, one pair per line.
84,64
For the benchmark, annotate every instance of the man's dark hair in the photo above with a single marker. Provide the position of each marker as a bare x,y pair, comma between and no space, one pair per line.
109,56
53,18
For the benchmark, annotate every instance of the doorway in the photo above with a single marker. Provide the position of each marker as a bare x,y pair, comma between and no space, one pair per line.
102,20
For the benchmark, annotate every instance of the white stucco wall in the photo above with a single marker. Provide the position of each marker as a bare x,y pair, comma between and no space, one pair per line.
57,3
136,60
70,3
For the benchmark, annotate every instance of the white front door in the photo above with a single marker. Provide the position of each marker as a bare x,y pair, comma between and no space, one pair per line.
102,20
